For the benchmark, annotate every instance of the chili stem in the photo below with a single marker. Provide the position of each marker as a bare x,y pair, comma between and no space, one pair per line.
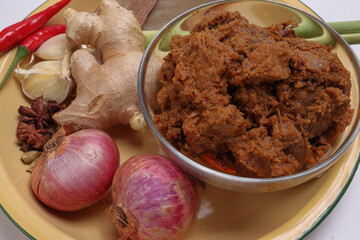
21,53
31,43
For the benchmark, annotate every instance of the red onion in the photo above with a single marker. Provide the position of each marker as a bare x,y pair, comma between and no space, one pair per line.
75,171
153,199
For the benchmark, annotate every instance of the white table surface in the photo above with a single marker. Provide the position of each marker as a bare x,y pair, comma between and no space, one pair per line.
343,221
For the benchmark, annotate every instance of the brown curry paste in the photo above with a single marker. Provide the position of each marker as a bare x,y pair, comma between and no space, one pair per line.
260,100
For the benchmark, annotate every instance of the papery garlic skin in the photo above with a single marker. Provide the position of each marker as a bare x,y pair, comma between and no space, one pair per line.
44,79
49,78
44,67
53,49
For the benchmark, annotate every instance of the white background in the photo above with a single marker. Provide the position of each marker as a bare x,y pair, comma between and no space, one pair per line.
344,220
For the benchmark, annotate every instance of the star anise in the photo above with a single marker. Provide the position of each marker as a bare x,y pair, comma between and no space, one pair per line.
34,128
37,114
31,137
54,107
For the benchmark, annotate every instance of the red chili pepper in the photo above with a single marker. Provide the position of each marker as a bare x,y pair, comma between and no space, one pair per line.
35,40
206,158
31,43
13,34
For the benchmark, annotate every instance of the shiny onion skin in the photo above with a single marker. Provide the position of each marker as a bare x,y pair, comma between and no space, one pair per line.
153,199
75,171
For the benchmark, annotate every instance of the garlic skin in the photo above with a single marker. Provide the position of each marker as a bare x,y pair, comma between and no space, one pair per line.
43,67
50,77
45,79
53,49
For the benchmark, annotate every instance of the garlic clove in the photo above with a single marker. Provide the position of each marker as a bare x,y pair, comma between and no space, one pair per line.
43,79
53,49
44,68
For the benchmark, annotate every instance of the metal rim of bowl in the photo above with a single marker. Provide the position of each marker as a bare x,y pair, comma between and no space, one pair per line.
189,163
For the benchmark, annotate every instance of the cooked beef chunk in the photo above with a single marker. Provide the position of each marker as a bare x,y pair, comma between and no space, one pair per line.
259,99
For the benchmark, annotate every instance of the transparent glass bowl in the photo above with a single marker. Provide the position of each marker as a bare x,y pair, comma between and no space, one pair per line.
262,13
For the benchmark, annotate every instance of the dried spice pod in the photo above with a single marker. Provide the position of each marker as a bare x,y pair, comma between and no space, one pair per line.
30,156
37,114
30,137
33,129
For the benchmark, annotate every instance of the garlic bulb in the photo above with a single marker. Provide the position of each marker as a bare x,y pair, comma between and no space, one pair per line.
53,49
45,79
49,78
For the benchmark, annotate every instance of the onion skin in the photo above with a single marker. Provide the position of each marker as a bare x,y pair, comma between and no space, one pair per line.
153,199
75,171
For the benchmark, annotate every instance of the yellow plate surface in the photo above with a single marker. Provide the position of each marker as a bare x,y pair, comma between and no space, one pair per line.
286,214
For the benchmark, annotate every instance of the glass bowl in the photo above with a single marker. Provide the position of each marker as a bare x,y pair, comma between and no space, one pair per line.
262,13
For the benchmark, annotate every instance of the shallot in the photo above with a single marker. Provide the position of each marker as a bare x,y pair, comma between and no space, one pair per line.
152,199
76,170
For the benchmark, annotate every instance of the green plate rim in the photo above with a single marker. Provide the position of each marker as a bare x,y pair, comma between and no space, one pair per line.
326,213
1,206
316,223
304,234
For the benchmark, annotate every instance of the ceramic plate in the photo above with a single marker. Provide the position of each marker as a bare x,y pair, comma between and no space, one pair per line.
223,214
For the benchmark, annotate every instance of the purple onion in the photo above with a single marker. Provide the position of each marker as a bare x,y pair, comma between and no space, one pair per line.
75,171
152,199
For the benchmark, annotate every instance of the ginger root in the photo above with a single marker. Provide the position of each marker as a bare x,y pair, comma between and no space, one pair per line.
106,92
